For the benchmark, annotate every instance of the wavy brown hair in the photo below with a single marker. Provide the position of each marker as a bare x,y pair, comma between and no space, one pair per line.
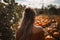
24,32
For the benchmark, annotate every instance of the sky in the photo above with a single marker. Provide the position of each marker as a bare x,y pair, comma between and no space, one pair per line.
38,3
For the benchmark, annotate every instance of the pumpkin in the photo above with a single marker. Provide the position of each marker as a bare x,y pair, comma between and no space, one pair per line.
48,37
56,34
41,20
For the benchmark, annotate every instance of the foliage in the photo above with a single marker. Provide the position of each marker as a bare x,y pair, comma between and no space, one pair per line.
9,15
7,1
50,10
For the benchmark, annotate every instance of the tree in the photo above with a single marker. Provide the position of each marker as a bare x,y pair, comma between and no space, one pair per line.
52,9
9,15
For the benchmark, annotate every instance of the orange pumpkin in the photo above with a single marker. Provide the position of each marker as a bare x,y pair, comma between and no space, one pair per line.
49,30
56,34
41,20
48,37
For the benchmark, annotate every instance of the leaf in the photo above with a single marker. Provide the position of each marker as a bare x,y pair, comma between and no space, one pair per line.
7,1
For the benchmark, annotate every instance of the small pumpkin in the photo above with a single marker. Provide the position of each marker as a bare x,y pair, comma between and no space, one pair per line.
48,37
56,34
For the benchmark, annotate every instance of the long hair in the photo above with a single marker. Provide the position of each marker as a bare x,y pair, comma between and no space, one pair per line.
24,32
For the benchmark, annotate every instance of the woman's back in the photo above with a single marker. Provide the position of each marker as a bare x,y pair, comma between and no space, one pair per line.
27,31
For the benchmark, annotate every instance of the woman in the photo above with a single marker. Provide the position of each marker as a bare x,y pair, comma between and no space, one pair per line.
25,32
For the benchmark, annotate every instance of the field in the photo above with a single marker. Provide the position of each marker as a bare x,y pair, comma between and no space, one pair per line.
50,25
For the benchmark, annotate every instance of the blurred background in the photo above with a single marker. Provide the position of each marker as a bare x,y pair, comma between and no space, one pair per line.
47,16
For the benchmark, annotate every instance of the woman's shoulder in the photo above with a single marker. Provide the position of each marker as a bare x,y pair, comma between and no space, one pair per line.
37,29
37,33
